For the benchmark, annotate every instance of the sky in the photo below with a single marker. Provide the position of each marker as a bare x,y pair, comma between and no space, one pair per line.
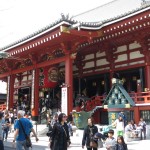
20,18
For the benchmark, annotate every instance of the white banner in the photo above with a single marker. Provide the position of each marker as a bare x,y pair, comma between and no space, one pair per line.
32,91
64,100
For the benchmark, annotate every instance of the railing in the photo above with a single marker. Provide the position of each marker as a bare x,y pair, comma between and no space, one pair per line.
140,97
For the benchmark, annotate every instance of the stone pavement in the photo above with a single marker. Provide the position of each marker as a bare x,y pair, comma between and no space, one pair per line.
76,139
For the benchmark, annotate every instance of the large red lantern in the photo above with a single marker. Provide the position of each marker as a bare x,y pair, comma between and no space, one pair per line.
50,77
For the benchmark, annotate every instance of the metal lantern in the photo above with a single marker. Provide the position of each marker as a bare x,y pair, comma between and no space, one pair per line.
119,95
117,101
123,101
116,90
111,101
113,96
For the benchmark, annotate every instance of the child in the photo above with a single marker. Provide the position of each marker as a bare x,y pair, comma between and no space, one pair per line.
121,145
110,142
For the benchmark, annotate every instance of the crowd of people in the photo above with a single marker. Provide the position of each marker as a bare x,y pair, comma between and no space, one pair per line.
91,136
60,130
22,128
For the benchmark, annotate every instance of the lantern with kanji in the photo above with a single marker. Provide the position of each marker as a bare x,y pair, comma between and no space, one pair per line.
50,75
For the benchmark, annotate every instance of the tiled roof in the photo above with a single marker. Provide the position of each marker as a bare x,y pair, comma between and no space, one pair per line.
2,96
94,18
110,10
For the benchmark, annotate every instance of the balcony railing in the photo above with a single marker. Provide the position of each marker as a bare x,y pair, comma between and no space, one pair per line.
138,98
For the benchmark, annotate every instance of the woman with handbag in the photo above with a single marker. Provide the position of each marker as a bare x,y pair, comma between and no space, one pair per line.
88,136
60,138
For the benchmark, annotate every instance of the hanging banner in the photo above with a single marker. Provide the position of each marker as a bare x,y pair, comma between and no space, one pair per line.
64,100
48,77
8,92
32,91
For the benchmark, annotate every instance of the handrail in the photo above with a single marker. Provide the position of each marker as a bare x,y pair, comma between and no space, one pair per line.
138,98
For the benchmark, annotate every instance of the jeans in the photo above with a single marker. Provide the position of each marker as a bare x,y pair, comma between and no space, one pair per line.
20,144
1,145
5,133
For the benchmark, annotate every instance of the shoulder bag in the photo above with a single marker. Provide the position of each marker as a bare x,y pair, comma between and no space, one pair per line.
68,142
93,143
28,140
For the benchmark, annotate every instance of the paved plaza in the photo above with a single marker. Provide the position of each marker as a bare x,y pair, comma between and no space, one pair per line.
76,139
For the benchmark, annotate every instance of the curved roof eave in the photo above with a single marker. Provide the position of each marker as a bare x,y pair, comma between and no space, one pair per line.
97,26
83,25
33,36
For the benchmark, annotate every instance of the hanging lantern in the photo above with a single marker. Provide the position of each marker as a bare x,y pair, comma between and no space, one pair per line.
111,101
119,95
116,90
113,96
50,77
117,101
123,101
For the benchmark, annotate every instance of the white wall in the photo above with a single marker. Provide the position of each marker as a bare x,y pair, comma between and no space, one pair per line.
3,86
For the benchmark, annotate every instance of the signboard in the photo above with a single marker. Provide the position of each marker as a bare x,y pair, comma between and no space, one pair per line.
32,92
64,100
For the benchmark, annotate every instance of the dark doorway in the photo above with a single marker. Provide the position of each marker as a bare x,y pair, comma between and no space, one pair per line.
24,99
104,117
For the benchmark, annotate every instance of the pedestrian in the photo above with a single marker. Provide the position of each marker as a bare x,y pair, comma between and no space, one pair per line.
122,115
55,119
119,123
88,135
70,128
1,135
20,125
110,142
60,138
142,125
6,127
128,130
101,139
121,145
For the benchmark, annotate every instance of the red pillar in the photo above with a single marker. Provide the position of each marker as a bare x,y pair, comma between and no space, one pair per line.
69,82
136,114
35,95
11,97
147,75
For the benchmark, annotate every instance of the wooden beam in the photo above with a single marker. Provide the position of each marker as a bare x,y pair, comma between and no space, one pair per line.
43,64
